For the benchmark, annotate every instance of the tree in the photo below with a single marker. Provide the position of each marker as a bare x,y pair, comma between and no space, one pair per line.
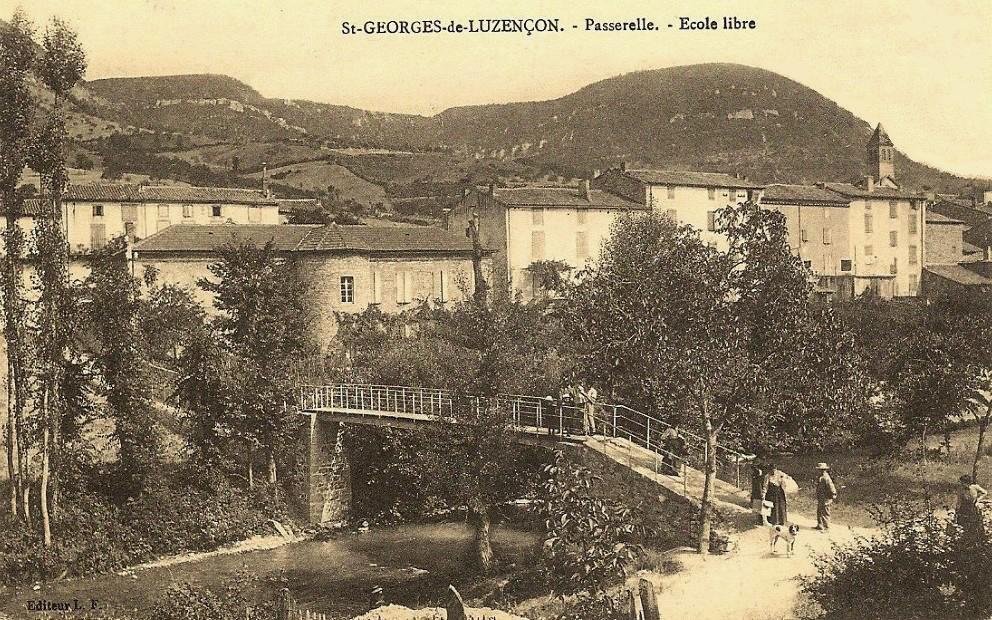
697,334
264,324
113,306
61,66
17,55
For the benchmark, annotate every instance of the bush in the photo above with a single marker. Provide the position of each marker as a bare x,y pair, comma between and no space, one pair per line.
589,541
93,535
241,598
920,567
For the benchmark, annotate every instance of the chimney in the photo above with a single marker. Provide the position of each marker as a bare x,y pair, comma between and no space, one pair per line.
265,170
447,218
870,183
584,186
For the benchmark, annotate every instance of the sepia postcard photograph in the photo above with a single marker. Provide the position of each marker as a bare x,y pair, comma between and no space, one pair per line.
496,310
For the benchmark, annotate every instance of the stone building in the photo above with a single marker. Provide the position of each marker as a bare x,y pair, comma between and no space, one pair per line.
819,226
687,197
347,268
527,225
945,240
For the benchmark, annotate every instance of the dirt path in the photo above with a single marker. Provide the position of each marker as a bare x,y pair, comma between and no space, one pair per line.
750,583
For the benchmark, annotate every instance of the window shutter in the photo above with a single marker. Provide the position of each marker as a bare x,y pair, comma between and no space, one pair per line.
537,245
376,287
711,220
98,236
893,238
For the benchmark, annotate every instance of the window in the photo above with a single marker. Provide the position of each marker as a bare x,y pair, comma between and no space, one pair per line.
869,250
97,210
404,284
580,217
129,213
163,212
894,267
581,245
808,264
912,225
893,238
912,255
98,236
845,264
711,220
672,213
537,245
671,192
347,289
376,287
827,236
893,209
868,225
914,283
215,211
162,225
537,216
711,193
803,235
187,211
441,286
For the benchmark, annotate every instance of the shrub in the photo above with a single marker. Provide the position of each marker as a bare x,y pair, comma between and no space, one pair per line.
920,566
589,541
240,598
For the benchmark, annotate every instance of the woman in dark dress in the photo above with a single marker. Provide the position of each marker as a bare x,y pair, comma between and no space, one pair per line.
776,495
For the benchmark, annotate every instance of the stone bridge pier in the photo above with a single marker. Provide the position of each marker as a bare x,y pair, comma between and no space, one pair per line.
328,484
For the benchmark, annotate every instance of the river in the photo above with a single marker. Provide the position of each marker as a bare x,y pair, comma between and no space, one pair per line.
334,576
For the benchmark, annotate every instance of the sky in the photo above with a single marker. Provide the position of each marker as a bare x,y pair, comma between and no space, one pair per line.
922,68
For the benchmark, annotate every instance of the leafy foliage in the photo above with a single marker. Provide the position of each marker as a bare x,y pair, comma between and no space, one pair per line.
919,567
589,542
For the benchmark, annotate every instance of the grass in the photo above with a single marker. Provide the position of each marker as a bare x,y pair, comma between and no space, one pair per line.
863,479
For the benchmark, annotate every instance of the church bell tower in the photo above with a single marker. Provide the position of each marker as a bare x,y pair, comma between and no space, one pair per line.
881,155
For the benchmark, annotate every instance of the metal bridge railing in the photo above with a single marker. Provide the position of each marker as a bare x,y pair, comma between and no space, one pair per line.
535,415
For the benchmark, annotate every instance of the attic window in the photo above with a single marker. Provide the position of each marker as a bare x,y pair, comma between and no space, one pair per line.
97,210
215,211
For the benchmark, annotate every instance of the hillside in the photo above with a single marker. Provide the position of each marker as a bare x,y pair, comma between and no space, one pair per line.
719,117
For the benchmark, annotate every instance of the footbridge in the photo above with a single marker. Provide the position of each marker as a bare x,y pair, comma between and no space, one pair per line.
634,440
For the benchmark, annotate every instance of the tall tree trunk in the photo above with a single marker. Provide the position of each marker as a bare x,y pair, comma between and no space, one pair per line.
983,426
483,539
709,481
272,466
13,460
43,491
251,468
26,501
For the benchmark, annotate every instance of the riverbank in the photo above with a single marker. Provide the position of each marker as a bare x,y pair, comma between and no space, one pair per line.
414,564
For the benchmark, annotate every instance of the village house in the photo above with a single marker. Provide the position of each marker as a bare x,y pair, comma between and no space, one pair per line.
818,222
691,198
528,225
347,268
95,214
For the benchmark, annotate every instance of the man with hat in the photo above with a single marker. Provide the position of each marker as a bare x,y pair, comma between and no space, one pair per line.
826,493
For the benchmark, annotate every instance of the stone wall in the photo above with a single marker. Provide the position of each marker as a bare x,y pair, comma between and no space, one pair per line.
328,473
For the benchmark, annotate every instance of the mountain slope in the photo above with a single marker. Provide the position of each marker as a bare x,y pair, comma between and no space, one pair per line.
719,117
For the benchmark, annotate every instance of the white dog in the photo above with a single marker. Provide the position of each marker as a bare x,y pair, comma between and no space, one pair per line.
787,532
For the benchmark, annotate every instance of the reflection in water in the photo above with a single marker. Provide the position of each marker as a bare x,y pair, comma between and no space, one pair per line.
333,577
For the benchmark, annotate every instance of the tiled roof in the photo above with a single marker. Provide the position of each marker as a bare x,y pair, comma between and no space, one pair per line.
562,197
779,193
289,205
306,238
980,234
691,179
848,189
970,215
31,207
126,192
959,275
937,218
